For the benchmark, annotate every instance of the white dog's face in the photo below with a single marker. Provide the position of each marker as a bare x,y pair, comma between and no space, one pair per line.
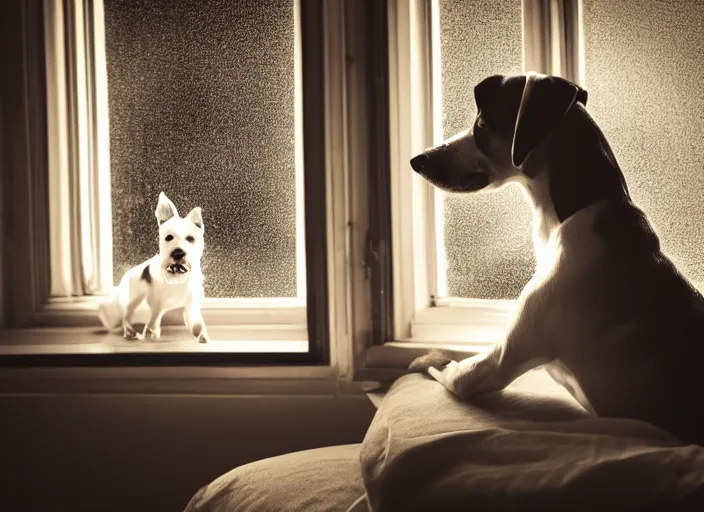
180,241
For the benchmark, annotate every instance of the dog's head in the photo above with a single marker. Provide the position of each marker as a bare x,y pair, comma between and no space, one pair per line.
180,240
515,115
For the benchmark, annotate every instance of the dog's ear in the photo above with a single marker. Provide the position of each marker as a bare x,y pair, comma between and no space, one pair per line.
165,209
485,91
196,216
498,99
545,100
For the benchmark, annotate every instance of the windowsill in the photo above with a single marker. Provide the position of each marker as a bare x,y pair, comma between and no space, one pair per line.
267,375
83,312
233,346
86,340
466,321
389,361
386,363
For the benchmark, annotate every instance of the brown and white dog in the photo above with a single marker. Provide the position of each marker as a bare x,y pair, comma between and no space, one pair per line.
607,312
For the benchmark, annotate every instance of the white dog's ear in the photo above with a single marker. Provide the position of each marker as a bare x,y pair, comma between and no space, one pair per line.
545,100
165,209
196,216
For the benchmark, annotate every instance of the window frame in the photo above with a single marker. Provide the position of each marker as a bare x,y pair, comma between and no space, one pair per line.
81,265
25,270
553,43
375,326
552,37
330,244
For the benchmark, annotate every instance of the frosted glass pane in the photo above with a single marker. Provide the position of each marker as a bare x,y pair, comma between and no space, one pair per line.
489,251
644,69
201,98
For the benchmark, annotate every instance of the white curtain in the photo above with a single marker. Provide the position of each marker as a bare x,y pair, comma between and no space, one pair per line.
79,173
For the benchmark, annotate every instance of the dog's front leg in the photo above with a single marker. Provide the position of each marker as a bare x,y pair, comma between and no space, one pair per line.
523,349
478,374
194,319
128,330
152,331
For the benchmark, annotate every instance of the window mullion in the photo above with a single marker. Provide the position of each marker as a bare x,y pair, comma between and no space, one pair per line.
429,32
379,235
411,131
552,38
26,239
314,179
356,154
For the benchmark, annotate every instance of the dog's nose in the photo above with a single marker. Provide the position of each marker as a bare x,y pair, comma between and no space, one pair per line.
178,254
419,162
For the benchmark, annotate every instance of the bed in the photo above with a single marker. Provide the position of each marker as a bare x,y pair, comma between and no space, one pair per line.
529,446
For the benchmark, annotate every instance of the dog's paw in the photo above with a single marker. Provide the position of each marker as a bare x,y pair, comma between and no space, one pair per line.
129,333
447,376
433,359
202,338
470,377
151,334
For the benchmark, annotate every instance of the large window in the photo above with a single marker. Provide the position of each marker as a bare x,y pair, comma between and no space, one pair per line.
221,105
292,124
471,255
203,103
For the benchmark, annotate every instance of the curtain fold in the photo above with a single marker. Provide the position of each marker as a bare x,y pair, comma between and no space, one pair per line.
79,177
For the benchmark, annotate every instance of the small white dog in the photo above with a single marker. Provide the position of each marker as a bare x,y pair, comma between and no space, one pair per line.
170,280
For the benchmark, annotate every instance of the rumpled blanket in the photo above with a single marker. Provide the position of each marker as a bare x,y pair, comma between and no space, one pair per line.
528,447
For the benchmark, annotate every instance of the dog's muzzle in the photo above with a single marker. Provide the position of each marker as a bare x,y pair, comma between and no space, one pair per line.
443,174
177,268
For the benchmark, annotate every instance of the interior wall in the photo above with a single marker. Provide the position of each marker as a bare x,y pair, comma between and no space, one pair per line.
11,135
2,220
153,452
4,168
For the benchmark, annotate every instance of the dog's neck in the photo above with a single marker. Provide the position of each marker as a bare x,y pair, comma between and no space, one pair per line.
572,170
545,219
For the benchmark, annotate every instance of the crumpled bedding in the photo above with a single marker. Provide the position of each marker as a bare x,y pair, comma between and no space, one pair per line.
528,446
318,480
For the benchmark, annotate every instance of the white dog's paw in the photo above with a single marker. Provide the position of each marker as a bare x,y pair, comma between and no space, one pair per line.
435,358
129,332
151,334
202,338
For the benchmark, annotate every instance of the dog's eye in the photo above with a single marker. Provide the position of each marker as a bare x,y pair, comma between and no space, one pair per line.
169,238
190,239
